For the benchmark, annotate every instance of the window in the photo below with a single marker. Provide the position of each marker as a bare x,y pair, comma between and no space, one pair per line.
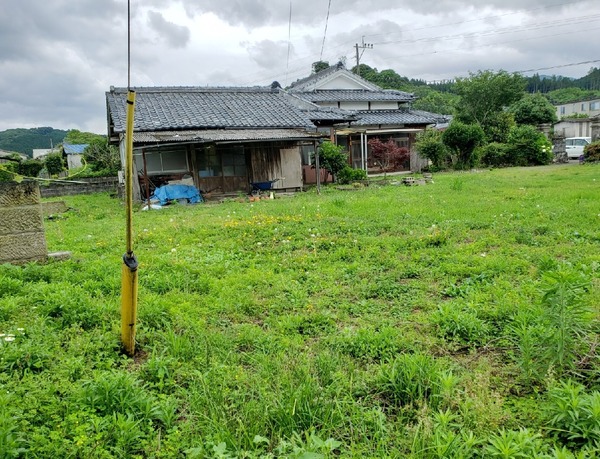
229,161
234,162
594,105
563,110
163,161
583,107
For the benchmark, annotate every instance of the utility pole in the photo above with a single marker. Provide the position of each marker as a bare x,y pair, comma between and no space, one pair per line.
362,46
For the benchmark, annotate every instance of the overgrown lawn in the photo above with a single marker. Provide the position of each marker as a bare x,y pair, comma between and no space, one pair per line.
453,320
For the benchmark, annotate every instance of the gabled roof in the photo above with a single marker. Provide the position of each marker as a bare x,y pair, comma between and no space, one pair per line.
74,149
317,113
188,108
337,84
317,80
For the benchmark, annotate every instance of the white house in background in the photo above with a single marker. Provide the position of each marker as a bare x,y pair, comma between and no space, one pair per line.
575,118
74,153
574,127
40,153
582,107
378,112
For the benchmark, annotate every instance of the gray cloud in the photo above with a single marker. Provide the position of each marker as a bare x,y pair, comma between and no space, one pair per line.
268,53
58,57
175,36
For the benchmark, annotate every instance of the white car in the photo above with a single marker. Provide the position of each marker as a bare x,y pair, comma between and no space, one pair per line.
575,146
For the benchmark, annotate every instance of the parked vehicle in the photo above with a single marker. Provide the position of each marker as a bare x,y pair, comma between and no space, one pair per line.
575,146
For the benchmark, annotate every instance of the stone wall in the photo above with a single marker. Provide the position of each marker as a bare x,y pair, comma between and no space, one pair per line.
22,237
89,186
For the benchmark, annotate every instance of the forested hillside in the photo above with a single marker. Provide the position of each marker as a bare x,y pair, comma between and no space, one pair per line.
440,96
25,140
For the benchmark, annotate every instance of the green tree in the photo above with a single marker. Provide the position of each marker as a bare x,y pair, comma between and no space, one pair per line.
435,102
54,164
429,145
533,109
463,139
528,147
103,157
319,66
332,157
30,167
485,94
498,126
76,137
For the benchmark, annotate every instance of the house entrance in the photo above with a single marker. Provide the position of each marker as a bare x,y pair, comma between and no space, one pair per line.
222,168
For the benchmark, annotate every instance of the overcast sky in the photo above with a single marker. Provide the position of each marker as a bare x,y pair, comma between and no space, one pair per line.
58,57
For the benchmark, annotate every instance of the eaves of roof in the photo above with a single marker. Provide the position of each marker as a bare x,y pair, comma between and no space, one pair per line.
356,95
392,117
221,135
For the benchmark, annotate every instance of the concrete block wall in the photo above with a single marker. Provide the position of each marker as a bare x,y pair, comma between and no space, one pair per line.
89,186
22,237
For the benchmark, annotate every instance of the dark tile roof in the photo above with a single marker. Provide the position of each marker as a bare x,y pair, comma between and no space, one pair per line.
330,114
394,117
356,95
181,108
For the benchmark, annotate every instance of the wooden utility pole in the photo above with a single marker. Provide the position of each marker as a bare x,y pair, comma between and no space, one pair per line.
362,46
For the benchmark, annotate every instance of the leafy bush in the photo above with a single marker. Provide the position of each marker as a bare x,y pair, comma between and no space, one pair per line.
494,154
575,414
463,139
388,154
332,157
515,443
497,126
528,147
566,316
349,175
533,109
30,167
54,163
591,152
430,146
103,157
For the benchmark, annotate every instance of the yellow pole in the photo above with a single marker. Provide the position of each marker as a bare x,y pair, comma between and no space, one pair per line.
129,279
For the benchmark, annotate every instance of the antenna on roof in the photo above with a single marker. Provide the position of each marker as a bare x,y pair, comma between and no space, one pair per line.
287,67
128,44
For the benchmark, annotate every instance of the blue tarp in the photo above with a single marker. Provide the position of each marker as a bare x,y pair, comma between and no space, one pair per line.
166,193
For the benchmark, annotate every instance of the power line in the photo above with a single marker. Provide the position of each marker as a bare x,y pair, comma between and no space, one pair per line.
482,18
504,30
558,66
325,33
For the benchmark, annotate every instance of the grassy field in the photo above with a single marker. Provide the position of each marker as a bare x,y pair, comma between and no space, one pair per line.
453,320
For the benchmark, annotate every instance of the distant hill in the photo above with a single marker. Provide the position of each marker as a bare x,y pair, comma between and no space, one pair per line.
25,140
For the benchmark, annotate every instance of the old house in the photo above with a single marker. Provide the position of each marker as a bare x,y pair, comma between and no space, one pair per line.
382,113
74,154
222,139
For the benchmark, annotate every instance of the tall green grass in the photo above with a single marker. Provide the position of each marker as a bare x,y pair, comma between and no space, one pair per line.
456,319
